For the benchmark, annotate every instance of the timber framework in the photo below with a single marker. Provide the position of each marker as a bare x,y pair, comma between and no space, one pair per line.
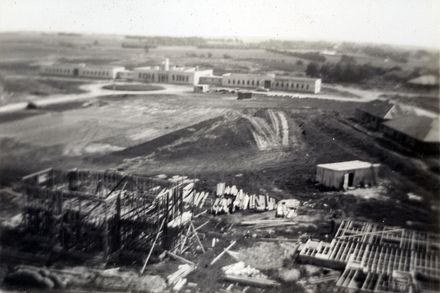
105,213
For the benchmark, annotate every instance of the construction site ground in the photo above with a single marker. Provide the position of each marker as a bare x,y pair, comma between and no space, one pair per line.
265,145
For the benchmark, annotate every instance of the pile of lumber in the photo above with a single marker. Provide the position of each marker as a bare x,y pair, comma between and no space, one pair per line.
178,279
231,199
245,274
193,198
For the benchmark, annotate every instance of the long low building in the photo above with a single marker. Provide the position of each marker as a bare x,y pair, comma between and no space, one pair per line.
272,82
297,84
165,73
83,70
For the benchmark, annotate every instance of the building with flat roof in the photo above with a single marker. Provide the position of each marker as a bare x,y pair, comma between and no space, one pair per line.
61,69
166,73
100,71
82,70
170,74
214,80
247,80
272,82
343,175
297,84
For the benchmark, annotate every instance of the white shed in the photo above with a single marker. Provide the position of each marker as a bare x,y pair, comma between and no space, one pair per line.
347,174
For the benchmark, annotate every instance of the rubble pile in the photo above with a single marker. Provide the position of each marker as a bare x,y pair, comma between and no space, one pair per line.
231,199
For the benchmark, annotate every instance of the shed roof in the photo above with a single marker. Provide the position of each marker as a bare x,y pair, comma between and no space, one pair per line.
377,108
422,128
428,80
347,165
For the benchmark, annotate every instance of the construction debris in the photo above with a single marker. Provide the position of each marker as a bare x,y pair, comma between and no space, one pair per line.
241,273
287,208
175,256
379,258
256,282
222,253
178,278
230,199
289,275
241,269
80,278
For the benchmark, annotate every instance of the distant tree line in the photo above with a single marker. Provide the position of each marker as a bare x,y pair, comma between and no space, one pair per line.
312,56
347,70
69,34
169,41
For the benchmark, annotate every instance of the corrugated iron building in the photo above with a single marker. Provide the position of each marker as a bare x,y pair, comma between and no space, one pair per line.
347,174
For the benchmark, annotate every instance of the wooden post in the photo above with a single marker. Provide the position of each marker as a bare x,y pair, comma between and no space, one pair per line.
197,237
105,233
152,247
180,258
118,223
223,252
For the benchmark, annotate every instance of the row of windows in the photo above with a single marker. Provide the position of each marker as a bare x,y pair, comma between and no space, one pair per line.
180,77
150,76
146,75
244,82
292,85
96,73
57,70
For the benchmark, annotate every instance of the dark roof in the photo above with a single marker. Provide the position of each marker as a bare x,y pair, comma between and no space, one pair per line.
419,127
377,108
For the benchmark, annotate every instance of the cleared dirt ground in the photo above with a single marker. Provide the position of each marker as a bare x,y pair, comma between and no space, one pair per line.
266,144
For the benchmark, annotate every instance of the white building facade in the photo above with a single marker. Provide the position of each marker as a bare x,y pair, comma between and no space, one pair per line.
271,82
60,69
187,76
82,70
297,84
170,74
245,80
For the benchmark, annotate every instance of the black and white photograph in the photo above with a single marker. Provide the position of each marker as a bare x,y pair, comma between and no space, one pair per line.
232,146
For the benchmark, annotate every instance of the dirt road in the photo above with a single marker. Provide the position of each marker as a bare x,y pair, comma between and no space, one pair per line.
93,90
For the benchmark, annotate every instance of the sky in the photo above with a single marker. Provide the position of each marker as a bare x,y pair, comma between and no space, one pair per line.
403,22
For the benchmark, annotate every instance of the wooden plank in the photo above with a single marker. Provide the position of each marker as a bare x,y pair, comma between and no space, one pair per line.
222,253
197,237
256,282
175,256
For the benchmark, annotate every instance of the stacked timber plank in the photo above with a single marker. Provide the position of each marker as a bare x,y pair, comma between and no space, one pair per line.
193,198
245,274
231,199
178,279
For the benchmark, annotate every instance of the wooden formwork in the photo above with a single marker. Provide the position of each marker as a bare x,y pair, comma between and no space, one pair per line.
104,212
380,258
